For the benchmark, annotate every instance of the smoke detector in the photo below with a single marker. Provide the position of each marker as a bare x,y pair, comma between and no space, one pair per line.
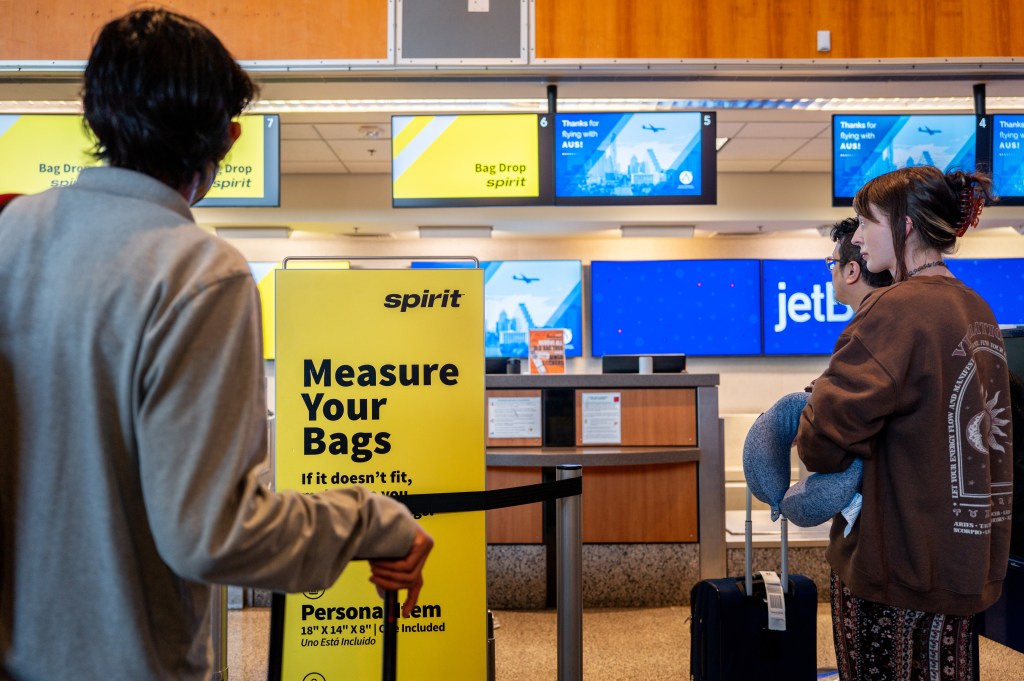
371,132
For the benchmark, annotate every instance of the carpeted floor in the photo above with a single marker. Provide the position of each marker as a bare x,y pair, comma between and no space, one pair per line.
622,645
648,644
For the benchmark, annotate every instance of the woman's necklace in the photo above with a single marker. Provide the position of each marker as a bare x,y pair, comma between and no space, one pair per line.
933,263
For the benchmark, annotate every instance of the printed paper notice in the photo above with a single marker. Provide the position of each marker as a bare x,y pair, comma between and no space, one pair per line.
602,418
513,417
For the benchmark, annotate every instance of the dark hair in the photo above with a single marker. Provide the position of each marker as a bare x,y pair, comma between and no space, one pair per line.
160,91
941,206
842,233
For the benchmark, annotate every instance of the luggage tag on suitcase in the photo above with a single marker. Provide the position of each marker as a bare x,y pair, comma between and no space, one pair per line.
776,600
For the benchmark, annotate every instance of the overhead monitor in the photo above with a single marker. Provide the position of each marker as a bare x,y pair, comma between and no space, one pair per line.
471,160
866,146
1008,158
687,307
801,313
250,175
635,158
41,151
520,295
442,265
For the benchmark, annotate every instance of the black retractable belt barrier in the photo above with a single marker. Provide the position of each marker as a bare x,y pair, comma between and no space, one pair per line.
460,502
441,502
463,502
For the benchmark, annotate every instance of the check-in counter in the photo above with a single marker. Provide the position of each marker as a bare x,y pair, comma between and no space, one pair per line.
655,476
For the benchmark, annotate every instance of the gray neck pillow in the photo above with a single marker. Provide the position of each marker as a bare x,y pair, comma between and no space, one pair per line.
766,466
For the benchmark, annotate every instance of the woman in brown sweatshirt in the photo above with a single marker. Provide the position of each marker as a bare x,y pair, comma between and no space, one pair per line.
919,388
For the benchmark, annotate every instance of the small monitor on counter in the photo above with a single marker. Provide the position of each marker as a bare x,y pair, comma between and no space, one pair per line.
502,365
643,364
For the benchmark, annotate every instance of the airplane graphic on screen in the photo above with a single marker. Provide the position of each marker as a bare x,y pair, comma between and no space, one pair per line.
927,130
525,279
651,127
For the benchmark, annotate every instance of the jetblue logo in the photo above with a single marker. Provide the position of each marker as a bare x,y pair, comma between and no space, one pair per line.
800,307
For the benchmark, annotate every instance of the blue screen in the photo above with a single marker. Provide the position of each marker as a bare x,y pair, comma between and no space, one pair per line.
628,154
520,295
442,265
998,281
1008,154
864,147
801,315
269,167
691,307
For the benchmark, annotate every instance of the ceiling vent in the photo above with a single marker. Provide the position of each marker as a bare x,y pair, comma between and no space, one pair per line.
658,230
455,231
356,233
253,232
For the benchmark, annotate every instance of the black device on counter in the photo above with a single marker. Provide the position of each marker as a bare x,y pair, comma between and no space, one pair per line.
502,365
630,364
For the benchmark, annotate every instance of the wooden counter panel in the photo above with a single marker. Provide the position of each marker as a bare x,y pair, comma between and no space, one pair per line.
513,441
516,524
651,416
776,29
640,504
258,30
573,30
628,504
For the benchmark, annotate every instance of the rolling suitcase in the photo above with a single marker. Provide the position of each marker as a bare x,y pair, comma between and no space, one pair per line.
731,637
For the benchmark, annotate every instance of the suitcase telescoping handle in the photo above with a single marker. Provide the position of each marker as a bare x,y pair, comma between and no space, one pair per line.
389,671
748,528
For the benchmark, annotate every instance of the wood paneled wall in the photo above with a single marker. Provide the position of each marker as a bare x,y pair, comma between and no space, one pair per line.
621,504
565,29
776,29
640,504
515,524
263,29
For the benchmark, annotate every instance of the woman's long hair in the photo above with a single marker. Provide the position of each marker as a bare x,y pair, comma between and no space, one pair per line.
941,206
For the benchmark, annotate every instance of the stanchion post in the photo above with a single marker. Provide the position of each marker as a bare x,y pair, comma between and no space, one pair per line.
219,632
490,646
570,579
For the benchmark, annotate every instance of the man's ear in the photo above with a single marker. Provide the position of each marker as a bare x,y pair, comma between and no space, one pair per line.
234,132
852,274
910,226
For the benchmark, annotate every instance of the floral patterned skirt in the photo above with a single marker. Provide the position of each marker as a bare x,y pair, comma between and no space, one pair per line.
876,642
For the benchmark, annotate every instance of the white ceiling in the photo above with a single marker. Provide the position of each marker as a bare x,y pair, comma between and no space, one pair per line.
766,139
761,140
769,148
755,144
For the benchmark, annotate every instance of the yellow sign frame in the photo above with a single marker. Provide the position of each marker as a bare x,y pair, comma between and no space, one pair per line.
393,361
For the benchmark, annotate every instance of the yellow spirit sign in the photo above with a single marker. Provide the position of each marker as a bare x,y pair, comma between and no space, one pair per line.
380,382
